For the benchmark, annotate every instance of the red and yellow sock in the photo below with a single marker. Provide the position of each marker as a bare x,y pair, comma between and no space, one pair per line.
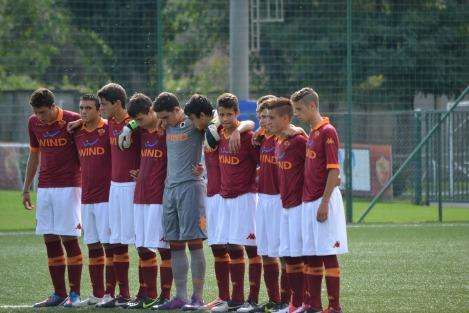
285,291
237,272
56,263
331,265
314,272
110,273
96,270
121,267
255,273
271,275
74,263
295,280
149,268
222,271
166,273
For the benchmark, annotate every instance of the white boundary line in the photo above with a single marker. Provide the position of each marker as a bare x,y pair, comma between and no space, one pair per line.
21,306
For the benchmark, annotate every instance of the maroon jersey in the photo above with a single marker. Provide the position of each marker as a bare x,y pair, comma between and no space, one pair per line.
123,161
59,165
213,172
322,150
290,155
237,169
268,173
94,152
152,174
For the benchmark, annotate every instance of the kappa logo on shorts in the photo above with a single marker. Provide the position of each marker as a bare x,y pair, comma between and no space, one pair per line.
251,236
202,223
337,244
78,226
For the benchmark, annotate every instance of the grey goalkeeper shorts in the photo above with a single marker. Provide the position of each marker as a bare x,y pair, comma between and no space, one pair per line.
184,211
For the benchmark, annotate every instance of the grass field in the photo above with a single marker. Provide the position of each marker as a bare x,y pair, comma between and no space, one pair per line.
394,264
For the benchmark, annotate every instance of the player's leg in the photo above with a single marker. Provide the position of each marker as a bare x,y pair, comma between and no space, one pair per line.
74,269
222,274
139,227
148,270
332,241
254,275
271,269
55,253
237,269
192,225
166,275
285,291
66,205
110,275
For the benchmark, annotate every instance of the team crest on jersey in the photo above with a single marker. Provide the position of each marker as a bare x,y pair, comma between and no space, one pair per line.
286,143
182,124
316,134
62,123
101,131
202,223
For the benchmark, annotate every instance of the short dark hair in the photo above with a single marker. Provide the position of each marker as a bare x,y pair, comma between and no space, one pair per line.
139,103
198,104
228,101
42,97
306,94
261,103
113,92
166,101
282,106
91,97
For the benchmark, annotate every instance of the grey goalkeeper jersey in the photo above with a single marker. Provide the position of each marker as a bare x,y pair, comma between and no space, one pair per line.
184,146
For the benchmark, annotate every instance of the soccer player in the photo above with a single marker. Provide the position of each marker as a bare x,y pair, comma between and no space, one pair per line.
183,202
323,219
92,143
148,208
236,218
268,211
58,215
121,195
290,157
201,113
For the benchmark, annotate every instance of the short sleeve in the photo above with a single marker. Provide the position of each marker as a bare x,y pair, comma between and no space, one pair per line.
33,142
331,148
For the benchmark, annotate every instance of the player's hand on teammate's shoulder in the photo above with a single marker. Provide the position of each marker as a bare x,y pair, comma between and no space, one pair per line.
74,125
198,170
27,201
134,174
323,211
293,130
258,136
235,141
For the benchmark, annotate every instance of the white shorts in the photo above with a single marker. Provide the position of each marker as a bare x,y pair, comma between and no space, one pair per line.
121,212
236,224
95,218
290,232
329,237
58,211
212,207
148,219
268,213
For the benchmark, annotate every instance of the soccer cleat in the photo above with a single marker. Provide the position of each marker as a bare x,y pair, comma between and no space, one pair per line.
106,302
213,304
53,300
248,307
173,304
292,309
332,310
73,300
196,304
227,306
122,302
92,300
143,303
284,308
270,306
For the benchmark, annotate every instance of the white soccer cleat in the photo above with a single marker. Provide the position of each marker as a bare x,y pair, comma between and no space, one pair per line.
92,300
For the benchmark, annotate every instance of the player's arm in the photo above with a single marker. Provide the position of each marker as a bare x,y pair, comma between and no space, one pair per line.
74,125
235,137
293,130
333,180
31,169
331,148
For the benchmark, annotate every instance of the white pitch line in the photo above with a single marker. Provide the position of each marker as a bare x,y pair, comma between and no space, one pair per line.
15,306
407,225
16,233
